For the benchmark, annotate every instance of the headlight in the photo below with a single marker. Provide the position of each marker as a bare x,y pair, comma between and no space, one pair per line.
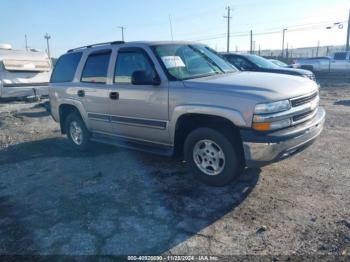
273,107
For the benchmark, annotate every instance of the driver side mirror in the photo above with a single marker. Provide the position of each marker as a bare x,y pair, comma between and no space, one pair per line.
141,77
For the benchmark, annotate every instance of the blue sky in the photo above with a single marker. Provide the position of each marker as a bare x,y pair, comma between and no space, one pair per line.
77,22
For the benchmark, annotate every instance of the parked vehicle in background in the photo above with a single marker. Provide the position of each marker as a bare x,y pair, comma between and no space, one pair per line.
278,63
23,73
248,62
182,98
339,62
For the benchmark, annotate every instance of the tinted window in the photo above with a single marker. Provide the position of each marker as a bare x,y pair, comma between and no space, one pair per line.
96,67
340,56
65,68
261,62
129,62
241,63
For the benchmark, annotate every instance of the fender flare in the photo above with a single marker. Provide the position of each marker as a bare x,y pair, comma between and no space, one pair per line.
79,106
232,115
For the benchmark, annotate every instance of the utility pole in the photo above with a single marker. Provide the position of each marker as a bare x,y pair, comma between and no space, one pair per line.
228,17
251,41
171,28
122,28
318,47
26,42
48,37
348,34
283,32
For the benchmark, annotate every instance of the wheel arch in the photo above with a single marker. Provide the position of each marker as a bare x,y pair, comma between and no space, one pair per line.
189,121
65,109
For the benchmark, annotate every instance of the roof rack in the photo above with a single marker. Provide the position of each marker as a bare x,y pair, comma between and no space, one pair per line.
99,44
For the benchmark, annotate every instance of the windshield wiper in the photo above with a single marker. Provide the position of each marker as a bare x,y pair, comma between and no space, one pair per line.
199,76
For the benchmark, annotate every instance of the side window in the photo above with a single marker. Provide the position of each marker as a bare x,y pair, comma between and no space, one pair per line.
240,63
128,62
96,67
65,68
340,56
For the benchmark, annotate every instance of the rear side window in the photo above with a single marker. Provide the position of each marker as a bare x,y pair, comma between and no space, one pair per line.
340,56
65,68
96,67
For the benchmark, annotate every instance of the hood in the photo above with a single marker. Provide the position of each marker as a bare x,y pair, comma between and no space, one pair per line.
290,71
265,86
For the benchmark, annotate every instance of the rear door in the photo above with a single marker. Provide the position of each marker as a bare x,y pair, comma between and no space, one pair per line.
340,62
140,111
93,90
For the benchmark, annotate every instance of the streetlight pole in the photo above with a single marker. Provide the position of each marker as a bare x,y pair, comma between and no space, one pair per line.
48,37
348,34
283,32
122,28
228,17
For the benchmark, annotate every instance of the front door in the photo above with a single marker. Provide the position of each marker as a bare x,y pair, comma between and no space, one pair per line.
138,112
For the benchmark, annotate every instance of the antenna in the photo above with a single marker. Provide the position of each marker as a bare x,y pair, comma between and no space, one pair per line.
171,28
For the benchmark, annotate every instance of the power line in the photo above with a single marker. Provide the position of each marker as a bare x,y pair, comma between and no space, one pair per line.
306,27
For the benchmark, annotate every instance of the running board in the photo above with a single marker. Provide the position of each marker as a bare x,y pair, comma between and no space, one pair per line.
149,147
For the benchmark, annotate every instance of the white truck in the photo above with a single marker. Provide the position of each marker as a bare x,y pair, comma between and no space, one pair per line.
23,73
339,62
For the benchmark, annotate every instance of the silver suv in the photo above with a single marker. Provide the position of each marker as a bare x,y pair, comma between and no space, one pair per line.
183,98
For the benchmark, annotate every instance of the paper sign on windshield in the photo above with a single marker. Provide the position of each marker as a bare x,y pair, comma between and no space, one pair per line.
172,61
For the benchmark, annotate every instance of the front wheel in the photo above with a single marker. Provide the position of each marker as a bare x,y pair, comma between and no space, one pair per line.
77,132
212,157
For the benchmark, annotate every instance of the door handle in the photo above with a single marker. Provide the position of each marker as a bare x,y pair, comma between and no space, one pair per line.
81,93
114,95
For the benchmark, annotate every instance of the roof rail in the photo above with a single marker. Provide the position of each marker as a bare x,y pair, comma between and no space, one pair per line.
98,44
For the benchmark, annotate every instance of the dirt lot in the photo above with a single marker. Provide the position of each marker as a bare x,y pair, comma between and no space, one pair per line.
54,200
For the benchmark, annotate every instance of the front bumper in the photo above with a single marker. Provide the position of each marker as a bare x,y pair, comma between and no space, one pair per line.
261,149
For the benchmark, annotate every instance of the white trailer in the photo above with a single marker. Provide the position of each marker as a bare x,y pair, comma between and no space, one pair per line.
23,73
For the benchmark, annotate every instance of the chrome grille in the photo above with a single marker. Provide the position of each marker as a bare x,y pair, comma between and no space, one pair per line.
312,77
303,117
303,100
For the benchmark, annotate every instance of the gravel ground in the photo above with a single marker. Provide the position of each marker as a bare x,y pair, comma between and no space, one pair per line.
112,201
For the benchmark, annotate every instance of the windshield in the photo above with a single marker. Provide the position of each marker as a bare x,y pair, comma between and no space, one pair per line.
279,63
262,62
191,61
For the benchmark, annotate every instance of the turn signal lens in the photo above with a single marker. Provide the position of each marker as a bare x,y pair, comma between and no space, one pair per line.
266,126
262,126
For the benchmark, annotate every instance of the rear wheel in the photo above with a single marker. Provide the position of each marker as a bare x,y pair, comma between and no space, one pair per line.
212,157
77,132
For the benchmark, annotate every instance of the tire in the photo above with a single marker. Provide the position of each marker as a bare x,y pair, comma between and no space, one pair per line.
203,147
81,140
